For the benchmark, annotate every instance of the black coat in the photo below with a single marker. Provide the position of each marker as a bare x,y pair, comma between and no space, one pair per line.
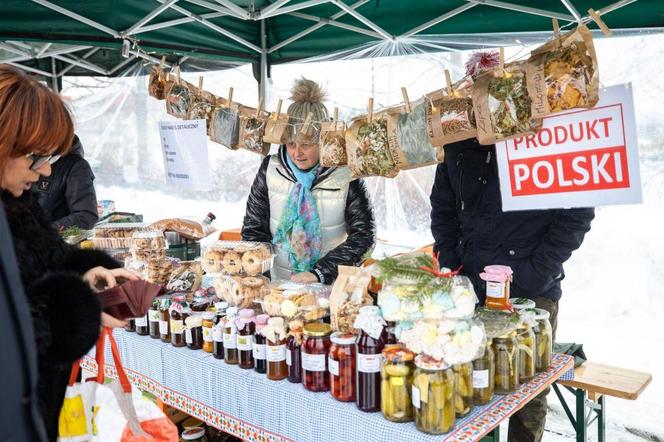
68,196
470,228
65,311
20,419
358,215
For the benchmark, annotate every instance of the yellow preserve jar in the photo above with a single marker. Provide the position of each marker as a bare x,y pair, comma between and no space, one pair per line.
396,384
506,351
463,387
433,395
543,340
484,371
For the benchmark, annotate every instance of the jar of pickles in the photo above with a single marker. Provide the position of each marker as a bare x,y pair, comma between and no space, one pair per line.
153,318
484,369
164,320
230,336
275,334
193,332
543,340
506,352
433,395
260,363
293,351
463,385
245,338
315,347
341,364
396,384
526,340
208,324
179,311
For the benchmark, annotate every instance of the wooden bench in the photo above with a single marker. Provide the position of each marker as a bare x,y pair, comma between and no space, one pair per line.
592,383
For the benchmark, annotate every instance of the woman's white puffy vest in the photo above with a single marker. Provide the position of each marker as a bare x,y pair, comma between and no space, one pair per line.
330,195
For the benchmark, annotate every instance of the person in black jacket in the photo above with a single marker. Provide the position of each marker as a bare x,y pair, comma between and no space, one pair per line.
471,230
68,196
20,419
316,216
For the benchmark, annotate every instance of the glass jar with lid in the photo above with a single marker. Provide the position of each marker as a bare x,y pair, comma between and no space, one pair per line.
164,320
498,279
131,325
179,311
433,395
396,384
260,363
341,365
543,340
142,325
526,341
506,352
484,369
208,324
293,351
153,318
218,329
463,388
315,347
275,334
370,344
230,336
193,332
245,338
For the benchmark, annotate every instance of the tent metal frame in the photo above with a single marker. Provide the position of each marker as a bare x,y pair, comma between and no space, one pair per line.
221,8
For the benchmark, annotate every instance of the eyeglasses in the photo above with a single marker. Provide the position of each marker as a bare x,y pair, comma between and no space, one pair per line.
39,160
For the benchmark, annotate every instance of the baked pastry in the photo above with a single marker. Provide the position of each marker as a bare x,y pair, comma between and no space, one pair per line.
253,263
212,261
232,263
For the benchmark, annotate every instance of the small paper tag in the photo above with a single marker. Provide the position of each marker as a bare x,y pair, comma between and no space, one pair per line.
416,397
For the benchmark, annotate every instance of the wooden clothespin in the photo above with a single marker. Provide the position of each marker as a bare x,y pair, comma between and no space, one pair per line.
230,97
275,117
177,74
597,19
370,111
260,108
556,27
448,81
307,122
404,94
200,85
162,62
501,62
335,118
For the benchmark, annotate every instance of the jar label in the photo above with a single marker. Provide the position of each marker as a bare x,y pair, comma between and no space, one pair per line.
187,336
153,315
334,366
229,341
163,327
313,362
289,360
480,378
207,334
177,326
259,351
141,322
369,363
217,334
276,353
495,289
416,397
245,343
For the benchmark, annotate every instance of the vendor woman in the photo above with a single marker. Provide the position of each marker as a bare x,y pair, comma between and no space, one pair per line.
315,216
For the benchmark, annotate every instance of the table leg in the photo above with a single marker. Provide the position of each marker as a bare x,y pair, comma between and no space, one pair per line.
601,419
581,426
494,436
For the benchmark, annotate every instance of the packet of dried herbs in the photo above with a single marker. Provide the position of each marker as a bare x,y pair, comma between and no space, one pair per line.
252,131
450,118
408,138
368,148
333,144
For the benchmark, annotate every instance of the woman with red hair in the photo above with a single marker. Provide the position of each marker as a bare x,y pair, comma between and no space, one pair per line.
36,129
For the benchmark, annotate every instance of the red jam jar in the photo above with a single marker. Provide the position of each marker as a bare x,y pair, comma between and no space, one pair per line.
341,365
315,347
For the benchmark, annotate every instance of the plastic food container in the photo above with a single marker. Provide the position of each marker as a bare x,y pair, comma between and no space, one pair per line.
237,258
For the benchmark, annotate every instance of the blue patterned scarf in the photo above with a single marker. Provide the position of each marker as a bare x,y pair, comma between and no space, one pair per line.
299,233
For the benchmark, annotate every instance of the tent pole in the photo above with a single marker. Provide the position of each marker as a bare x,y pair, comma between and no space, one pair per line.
262,86
572,10
54,76
439,19
524,9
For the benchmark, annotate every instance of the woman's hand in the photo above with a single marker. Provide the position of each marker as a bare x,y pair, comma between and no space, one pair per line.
304,278
111,322
100,276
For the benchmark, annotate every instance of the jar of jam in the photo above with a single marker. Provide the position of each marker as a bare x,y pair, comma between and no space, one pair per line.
396,384
506,351
131,325
245,338
218,330
293,351
200,303
153,318
543,340
341,364
193,332
315,347
164,320
208,323
142,325
433,395
498,279
230,336
526,339
275,334
179,311
484,370
370,345
260,363
463,382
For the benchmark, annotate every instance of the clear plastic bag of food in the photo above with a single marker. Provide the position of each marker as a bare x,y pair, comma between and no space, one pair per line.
252,131
408,139
186,227
159,270
186,278
148,244
157,83
291,300
333,145
241,291
350,291
178,99
202,107
237,257
115,235
368,150
225,126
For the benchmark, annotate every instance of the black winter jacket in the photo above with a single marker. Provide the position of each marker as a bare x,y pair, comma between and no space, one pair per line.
20,419
359,219
470,228
65,311
68,196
